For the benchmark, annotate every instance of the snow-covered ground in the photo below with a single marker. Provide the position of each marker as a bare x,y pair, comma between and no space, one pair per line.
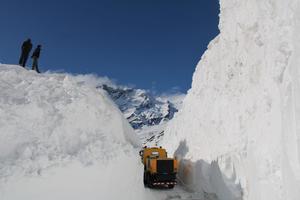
62,139
238,133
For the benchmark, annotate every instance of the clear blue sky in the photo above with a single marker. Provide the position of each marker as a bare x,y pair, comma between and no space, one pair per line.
152,44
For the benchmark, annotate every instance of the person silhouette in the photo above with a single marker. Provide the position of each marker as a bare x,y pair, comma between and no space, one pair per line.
35,56
26,48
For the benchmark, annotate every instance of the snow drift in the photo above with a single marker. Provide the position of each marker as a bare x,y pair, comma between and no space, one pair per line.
60,138
238,133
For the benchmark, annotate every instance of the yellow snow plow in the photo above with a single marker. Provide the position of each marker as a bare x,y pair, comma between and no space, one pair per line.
159,170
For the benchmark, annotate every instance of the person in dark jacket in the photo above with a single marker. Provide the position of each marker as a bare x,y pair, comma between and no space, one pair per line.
26,48
35,56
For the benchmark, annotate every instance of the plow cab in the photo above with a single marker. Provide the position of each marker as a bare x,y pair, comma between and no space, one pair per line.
159,170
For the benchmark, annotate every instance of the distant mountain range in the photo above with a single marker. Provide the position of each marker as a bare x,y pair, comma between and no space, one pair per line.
147,113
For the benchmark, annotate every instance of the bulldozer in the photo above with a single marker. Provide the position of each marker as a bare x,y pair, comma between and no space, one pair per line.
159,170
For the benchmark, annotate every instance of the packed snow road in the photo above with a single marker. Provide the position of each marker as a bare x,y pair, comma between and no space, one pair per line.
181,193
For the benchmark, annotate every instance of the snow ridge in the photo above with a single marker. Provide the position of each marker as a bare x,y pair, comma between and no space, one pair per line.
58,134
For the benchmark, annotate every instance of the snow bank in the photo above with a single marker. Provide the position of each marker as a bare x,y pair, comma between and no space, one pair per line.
62,139
238,133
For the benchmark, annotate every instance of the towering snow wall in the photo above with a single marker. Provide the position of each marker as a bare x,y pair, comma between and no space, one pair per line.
238,132
62,139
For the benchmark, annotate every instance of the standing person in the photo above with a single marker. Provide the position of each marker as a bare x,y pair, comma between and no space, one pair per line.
35,56
26,48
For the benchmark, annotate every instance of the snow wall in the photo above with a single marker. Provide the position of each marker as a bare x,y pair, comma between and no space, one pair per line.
61,138
238,132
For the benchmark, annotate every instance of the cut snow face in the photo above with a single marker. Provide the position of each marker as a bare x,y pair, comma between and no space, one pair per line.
61,139
238,133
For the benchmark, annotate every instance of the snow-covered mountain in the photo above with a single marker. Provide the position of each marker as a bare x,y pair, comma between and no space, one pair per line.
140,107
238,132
147,114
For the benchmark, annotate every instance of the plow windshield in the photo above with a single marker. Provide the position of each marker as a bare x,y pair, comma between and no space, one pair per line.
165,166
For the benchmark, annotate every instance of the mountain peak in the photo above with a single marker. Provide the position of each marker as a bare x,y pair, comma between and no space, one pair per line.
140,107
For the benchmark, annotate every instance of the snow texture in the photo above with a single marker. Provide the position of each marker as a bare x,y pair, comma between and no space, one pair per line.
237,134
63,139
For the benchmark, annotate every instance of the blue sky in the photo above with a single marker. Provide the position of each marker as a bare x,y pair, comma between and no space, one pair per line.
152,44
